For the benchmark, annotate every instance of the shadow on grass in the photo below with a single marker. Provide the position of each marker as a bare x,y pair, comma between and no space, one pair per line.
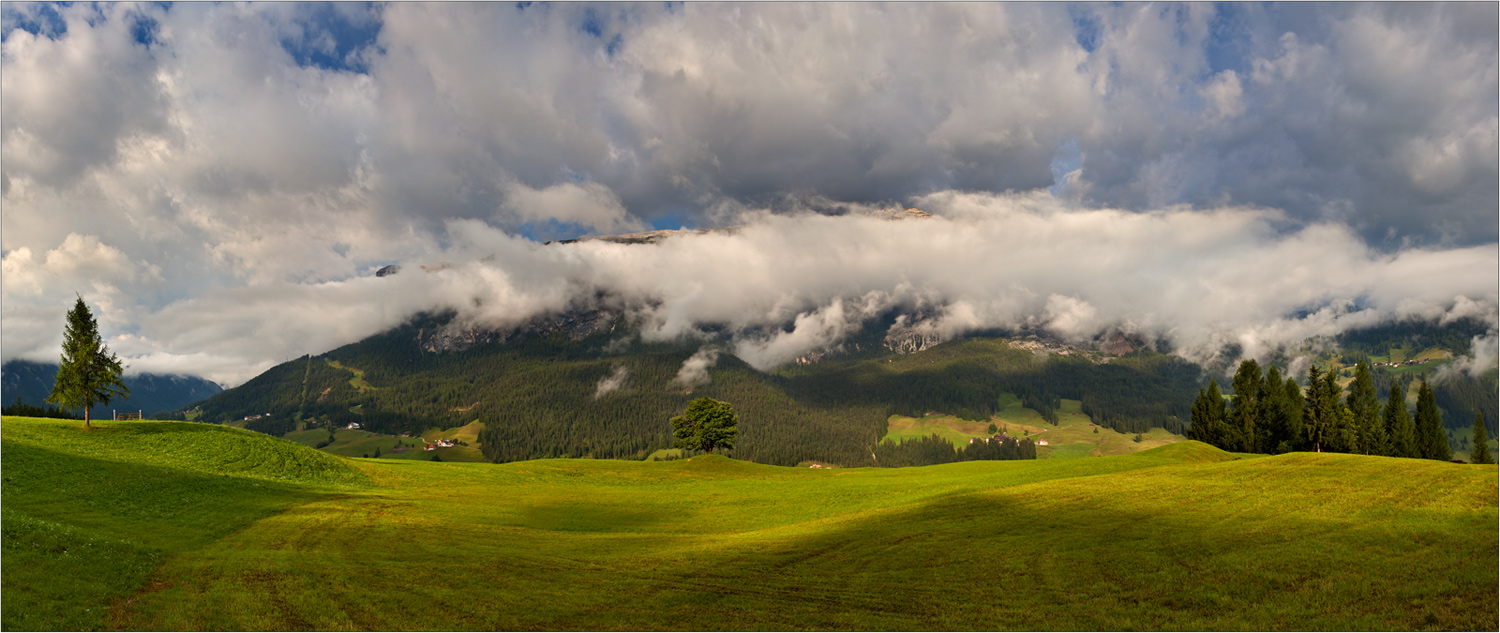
80,532
997,560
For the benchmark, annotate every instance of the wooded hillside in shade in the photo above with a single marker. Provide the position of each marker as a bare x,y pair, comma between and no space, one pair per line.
536,395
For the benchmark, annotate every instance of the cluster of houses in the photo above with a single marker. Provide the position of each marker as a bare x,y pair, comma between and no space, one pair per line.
1410,362
256,416
352,426
437,444
1000,437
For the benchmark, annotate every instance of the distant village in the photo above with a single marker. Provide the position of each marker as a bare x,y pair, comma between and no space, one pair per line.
1410,362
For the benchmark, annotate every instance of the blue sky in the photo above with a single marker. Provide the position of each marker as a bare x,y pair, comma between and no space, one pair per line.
156,155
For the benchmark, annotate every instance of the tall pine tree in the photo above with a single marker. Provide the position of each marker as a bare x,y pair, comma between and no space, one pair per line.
1432,439
1245,407
1320,417
1364,405
1208,416
1271,422
1398,428
1295,404
88,373
1481,452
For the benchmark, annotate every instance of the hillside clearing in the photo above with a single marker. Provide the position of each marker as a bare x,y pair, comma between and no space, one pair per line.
1074,435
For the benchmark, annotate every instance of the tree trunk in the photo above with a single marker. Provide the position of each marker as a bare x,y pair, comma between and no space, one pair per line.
86,418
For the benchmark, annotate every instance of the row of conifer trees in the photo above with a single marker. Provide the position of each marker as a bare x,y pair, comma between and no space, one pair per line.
1267,414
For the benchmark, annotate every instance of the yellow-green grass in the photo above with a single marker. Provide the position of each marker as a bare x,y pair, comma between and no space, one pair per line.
1012,418
467,433
900,428
359,443
358,381
1073,436
89,514
663,454
1180,537
447,454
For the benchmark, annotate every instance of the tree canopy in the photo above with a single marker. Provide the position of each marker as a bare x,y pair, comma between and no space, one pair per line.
88,373
707,424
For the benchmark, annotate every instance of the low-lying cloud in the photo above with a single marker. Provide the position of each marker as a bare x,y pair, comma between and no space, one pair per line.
694,370
613,382
784,286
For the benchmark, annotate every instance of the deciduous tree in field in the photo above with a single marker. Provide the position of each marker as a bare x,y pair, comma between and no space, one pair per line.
88,373
1481,452
707,424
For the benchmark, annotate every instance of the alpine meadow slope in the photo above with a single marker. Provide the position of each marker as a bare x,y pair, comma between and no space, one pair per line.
267,535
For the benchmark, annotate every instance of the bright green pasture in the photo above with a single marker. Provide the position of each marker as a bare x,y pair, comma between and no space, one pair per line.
900,428
1012,418
1072,436
663,454
360,443
89,514
1180,537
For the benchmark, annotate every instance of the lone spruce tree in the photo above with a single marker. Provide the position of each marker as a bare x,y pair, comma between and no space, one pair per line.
88,374
1481,452
707,424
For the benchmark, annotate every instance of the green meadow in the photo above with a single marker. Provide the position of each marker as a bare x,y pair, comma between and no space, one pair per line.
1074,435
185,526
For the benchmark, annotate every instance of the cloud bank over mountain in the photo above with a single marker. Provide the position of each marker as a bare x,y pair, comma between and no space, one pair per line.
220,181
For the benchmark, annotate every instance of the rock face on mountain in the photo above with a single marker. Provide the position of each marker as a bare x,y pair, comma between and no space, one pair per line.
652,237
575,325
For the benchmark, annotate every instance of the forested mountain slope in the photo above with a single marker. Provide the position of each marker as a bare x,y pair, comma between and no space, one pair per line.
585,386
149,393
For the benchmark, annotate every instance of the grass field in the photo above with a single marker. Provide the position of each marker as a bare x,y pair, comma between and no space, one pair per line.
1073,436
151,525
359,443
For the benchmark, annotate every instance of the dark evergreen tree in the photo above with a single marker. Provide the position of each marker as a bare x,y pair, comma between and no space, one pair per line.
1398,427
1295,404
1320,415
1432,439
1245,407
1341,437
88,373
1364,405
1208,424
1480,454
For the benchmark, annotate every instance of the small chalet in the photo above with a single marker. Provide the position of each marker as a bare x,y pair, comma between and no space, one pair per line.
352,426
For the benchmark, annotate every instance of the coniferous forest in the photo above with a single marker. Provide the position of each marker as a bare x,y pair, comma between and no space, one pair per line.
1369,415
540,396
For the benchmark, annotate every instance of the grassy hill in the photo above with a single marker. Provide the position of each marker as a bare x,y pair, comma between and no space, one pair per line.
192,527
